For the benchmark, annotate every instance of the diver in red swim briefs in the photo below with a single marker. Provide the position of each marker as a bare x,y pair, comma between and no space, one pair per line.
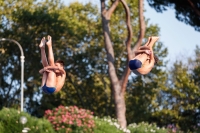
53,73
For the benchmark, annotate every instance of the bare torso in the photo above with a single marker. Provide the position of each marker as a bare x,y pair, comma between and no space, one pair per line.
146,67
55,77
60,80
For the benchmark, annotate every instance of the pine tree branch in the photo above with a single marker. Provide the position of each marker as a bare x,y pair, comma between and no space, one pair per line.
194,8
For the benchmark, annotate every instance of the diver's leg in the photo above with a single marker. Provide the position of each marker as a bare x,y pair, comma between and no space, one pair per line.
44,78
152,41
43,54
50,51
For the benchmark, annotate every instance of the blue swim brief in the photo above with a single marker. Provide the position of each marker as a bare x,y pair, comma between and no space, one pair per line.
135,64
48,90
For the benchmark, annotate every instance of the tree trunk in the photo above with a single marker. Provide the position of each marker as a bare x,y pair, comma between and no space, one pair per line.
120,107
119,86
118,95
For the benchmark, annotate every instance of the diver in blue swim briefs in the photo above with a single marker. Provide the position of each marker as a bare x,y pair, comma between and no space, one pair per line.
144,58
53,73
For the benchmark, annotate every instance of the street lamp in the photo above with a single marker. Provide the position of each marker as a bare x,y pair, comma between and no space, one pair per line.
22,68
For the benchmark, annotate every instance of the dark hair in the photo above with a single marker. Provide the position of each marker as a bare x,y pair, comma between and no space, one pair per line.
61,62
156,59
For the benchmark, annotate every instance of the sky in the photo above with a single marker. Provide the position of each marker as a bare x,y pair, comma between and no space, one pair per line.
179,38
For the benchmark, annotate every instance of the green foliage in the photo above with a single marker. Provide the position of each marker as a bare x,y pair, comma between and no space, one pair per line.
181,99
10,122
70,119
146,127
180,102
195,64
2,127
106,125
109,125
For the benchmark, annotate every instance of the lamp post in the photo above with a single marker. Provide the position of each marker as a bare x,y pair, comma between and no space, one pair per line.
22,68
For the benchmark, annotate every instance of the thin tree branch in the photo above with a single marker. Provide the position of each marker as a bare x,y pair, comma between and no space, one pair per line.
9,88
129,29
142,26
193,6
112,8
108,45
103,6
126,73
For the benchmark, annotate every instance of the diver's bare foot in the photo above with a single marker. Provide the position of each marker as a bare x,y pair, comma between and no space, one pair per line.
152,41
42,43
49,42
148,41
154,38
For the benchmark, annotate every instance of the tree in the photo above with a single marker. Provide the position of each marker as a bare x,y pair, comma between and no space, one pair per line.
119,82
180,102
187,11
